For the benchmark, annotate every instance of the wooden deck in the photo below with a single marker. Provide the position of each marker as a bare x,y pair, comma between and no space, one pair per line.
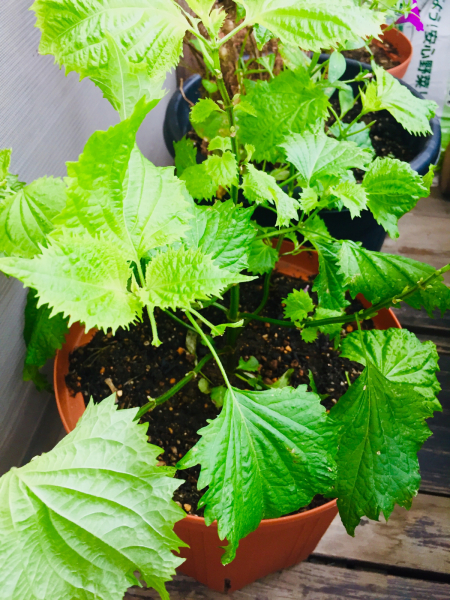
408,558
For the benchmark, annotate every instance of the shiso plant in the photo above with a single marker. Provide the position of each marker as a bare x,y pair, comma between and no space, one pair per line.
119,237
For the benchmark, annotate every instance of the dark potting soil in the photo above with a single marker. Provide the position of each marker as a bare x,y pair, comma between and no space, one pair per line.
385,54
129,363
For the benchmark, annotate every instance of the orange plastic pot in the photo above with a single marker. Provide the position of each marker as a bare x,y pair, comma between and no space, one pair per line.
277,543
404,48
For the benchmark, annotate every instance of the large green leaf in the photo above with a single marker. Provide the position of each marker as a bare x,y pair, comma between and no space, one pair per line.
199,182
185,155
289,102
75,32
116,191
26,216
266,455
352,195
383,428
43,335
83,277
203,109
179,277
80,521
262,257
314,25
393,189
316,155
224,232
400,357
380,276
387,93
262,188
124,83
298,305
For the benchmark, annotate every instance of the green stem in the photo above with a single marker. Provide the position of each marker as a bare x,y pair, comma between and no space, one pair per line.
361,339
256,317
177,320
347,135
228,37
156,341
212,350
203,320
266,289
314,61
175,389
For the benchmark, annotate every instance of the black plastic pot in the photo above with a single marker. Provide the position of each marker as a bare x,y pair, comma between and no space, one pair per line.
362,229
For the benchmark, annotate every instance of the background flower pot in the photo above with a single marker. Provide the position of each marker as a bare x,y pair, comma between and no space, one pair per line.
362,229
277,543
404,48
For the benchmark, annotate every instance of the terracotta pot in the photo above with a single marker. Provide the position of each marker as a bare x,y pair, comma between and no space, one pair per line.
277,543
404,48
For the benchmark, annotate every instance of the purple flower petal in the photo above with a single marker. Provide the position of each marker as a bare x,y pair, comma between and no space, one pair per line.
413,18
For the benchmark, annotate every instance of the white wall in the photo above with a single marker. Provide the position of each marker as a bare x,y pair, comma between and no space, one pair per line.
46,118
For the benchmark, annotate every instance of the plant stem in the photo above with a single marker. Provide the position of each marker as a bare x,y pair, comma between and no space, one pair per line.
177,320
212,350
255,317
314,61
228,37
233,333
176,388
266,289
156,341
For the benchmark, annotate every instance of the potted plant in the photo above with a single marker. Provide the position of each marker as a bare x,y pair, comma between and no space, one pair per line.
121,246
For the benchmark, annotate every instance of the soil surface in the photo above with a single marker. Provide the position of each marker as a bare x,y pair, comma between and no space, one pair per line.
384,54
129,363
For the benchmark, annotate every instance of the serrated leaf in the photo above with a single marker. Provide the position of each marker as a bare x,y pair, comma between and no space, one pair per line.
281,446
314,26
309,199
177,278
262,35
43,335
283,381
224,232
379,276
298,305
83,518
82,277
393,189
383,428
262,257
223,170
251,364
185,155
260,187
26,216
387,93
217,124
352,195
309,335
115,190
220,143
148,31
199,182
333,329
124,83
400,356
289,102
202,110
294,58
201,7
5,161
316,155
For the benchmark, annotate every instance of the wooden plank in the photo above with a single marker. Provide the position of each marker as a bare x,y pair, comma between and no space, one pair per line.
310,581
415,539
418,321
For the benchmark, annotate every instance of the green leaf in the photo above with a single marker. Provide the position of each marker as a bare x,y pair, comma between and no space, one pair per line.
124,83
177,278
82,277
204,386
387,93
220,143
260,187
289,102
201,7
218,395
383,428
309,199
224,232
298,305
199,182
294,58
379,276
262,36
283,381
5,161
336,66
185,155
333,329
352,195
43,335
251,364
116,191
217,124
262,257
393,189
26,216
266,455
360,135
210,86
148,31
223,170
309,335
316,155
83,518
400,357
317,25
201,111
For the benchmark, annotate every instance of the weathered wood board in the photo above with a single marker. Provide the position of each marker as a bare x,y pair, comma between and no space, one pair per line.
415,539
309,581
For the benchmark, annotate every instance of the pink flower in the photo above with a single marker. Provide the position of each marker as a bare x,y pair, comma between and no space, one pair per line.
413,17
